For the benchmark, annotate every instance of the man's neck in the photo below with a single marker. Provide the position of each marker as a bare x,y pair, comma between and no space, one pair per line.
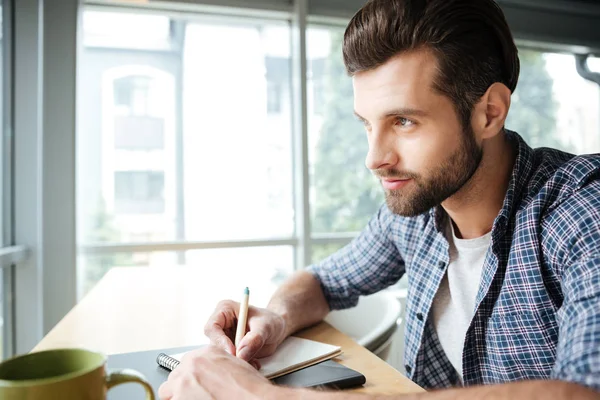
476,205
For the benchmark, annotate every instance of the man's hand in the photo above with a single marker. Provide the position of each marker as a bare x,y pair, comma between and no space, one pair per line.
265,332
211,373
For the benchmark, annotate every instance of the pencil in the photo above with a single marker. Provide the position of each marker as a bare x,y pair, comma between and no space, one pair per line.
242,318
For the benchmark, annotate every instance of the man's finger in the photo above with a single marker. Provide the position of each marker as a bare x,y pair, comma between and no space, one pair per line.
218,338
224,316
224,343
165,392
250,345
266,351
256,364
218,320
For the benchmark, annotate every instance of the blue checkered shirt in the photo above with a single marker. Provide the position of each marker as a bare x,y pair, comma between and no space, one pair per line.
537,312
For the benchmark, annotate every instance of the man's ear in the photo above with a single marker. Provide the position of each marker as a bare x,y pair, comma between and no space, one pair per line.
489,114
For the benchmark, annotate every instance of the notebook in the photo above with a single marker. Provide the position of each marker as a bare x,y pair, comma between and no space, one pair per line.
327,374
293,354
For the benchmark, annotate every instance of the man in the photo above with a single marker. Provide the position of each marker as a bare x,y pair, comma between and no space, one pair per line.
501,243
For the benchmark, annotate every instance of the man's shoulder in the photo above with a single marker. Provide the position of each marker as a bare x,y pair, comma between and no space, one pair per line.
576,170
568,203
565,207
556,176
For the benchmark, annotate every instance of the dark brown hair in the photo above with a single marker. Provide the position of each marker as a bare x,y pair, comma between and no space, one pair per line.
470,38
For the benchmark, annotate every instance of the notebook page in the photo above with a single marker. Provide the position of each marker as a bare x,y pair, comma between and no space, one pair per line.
293,354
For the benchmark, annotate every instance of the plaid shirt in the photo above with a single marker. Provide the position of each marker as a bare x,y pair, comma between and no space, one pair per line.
537,313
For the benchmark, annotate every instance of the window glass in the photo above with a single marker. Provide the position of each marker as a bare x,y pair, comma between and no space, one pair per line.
322,251
188,142
343,192
7,181
214,160
554,106
257,264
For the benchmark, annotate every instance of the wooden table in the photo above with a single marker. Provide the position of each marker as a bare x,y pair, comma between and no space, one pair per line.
136,309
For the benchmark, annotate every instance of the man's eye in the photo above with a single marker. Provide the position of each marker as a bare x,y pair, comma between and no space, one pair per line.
404,122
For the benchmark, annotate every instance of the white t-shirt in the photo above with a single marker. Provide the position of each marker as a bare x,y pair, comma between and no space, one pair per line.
454,303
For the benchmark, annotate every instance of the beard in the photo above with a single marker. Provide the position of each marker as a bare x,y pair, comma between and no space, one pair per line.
442,182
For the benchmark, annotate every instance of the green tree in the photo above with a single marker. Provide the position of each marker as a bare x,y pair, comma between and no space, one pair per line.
533,110
346,193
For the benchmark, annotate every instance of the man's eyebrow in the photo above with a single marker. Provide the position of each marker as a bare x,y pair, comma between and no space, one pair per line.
404,112
408,112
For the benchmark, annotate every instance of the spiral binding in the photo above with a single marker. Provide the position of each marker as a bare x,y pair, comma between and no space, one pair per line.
167,362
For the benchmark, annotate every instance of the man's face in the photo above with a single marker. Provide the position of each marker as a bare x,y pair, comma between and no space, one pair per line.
417,146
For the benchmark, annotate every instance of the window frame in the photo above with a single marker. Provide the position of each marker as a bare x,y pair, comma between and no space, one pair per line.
10,255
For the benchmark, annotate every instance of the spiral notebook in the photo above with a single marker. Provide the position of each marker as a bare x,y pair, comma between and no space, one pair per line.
292,355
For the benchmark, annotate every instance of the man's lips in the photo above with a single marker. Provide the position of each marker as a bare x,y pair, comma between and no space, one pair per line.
393,184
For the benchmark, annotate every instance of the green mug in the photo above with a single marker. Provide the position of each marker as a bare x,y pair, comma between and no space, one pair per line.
65,374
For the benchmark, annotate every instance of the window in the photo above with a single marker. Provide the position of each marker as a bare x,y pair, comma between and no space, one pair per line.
317,78
139,192
141,107
321,251
252,264
273,97
114,30
554,106
278,80
139,133
132,94
189,144
3,195
7,191
318,99
343,193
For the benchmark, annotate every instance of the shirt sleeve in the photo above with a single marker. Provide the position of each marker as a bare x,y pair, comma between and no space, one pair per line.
578,349
370,263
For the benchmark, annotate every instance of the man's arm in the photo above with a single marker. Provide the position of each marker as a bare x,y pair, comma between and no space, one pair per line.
300,301
574,249
530,390
369,263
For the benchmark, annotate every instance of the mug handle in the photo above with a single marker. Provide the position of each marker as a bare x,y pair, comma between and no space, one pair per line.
117,377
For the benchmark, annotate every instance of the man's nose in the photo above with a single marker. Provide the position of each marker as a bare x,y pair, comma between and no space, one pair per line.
382,153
